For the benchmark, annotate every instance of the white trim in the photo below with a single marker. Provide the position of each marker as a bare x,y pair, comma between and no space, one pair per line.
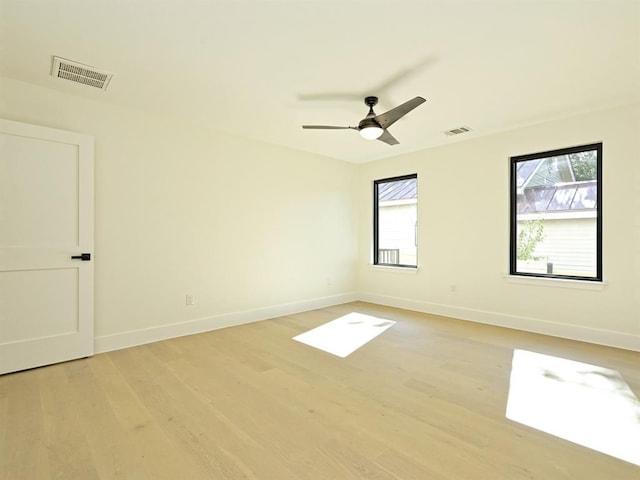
132,338
598,336
556,282
38,132
393,269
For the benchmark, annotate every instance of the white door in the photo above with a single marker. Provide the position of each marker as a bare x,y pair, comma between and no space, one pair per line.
46,217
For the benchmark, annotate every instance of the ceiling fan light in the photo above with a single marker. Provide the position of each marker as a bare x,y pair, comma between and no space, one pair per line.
371,133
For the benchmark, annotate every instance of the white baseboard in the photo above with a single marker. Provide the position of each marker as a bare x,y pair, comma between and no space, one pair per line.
556,329
132,338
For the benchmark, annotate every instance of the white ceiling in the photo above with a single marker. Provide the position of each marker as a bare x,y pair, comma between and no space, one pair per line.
262,68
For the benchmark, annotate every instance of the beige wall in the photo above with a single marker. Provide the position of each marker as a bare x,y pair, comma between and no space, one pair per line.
254,228
241,225
463,223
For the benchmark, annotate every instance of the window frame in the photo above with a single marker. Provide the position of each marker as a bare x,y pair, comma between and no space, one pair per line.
513,213
376,207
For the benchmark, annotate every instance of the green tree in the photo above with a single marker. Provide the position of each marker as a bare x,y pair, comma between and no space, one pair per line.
585,165
531,234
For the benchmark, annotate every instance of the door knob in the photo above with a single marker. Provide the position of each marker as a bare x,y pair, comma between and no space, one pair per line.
84,257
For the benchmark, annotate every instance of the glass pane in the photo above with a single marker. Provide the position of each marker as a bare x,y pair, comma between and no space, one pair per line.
556,215
397,222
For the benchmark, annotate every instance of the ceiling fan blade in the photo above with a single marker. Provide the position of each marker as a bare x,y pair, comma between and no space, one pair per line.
327,127
386,137
403,75
389,118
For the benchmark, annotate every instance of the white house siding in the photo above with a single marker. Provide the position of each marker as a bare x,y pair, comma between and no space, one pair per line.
570,245
397,219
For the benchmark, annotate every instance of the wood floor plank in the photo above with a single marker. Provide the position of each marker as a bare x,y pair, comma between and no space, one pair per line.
22,429
424,400
65,424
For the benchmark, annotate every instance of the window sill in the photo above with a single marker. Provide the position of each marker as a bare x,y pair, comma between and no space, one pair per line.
557,282
389,268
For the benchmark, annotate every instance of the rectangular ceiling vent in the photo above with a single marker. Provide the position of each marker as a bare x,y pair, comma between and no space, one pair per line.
80,73
457,131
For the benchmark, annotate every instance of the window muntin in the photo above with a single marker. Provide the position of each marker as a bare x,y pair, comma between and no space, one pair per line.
556,214
395,221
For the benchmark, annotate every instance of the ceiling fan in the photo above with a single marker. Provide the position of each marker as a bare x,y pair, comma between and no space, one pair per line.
374,127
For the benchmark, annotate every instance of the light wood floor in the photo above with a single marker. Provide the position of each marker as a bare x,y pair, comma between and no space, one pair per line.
424,400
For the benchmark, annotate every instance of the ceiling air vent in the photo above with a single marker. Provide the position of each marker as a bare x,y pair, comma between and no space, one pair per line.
457,131
80,73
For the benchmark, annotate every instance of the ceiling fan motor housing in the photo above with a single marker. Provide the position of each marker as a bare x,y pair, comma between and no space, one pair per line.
368,123
369,127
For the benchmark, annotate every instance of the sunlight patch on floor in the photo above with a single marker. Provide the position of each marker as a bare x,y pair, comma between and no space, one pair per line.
346,334
585,404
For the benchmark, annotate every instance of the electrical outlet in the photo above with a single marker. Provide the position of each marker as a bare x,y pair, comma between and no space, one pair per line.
190,299
452,289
